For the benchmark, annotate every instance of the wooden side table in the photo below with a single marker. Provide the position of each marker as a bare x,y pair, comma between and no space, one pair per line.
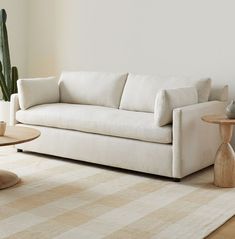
15,135
224,168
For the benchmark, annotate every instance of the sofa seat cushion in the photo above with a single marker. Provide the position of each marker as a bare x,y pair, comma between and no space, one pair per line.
97,119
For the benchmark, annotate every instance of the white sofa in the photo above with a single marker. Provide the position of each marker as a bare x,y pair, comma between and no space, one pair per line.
109,119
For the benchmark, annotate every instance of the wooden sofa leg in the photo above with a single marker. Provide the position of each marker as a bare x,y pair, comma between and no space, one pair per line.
177,180
19,150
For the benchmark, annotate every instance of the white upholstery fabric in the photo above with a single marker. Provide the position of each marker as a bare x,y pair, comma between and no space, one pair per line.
219,93
168,100
140,90
203,86
92,88
37,91
194,145
193,148
195,142
113,151
14,107
97,119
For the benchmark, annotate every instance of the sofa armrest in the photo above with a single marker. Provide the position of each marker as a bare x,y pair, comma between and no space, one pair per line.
194,142
14,107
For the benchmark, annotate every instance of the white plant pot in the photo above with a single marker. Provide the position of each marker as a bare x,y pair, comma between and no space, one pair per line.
5,111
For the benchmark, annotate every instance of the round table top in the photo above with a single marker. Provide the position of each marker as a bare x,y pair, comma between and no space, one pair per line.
18,135
218,119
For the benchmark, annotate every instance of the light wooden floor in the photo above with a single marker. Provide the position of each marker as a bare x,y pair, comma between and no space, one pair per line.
227,231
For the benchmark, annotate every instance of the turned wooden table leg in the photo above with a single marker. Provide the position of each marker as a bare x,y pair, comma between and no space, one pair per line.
7,179
224,168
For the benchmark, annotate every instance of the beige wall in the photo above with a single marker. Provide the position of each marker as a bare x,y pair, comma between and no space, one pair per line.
165,37
17,25
42,38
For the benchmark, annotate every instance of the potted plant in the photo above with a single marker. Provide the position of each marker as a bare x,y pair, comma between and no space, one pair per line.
8,74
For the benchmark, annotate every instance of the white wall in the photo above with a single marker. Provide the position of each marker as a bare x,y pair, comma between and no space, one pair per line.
17,26
165,37
42,38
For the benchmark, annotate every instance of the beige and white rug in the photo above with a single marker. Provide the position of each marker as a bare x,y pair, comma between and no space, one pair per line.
65,200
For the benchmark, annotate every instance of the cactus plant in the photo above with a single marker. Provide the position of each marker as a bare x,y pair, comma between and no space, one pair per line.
8,74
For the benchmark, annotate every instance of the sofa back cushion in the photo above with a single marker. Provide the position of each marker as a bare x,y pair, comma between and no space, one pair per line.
37,91
203,86
92,88
140,90
169,99
219,92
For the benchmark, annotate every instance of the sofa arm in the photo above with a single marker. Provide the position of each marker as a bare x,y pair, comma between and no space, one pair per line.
194,142
14,107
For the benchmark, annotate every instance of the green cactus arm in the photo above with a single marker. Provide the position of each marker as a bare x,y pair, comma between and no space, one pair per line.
8,75
5,92
3,86
5,54
14,78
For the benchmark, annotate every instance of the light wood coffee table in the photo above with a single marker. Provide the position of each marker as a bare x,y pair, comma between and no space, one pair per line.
15,135
224,168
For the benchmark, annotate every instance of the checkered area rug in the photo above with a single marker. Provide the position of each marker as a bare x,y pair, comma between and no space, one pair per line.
67,199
